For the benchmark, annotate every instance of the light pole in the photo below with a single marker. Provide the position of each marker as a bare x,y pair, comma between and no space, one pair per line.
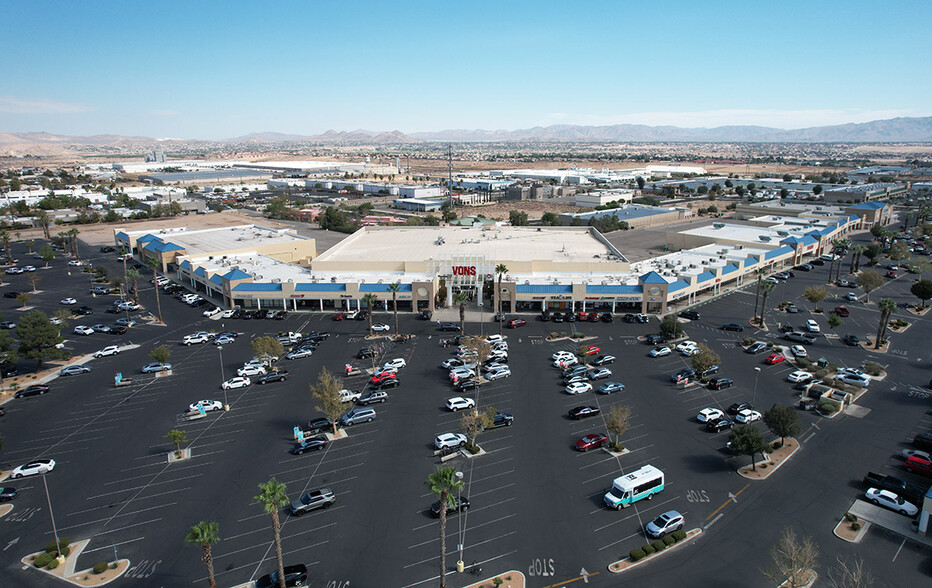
226,406
460,566
756,377
60,558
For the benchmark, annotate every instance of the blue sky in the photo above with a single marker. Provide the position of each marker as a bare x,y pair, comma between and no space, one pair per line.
214,70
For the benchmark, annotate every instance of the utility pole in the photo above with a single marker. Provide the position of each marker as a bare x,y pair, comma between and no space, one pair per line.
450,170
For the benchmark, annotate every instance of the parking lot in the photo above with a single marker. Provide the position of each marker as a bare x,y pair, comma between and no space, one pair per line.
536,503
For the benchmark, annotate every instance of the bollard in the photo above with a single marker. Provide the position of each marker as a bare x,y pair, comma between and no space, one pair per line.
460,566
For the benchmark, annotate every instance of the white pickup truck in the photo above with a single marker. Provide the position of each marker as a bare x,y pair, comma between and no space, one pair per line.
349,395
289,338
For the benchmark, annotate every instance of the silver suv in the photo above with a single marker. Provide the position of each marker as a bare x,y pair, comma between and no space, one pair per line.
358,415
320,498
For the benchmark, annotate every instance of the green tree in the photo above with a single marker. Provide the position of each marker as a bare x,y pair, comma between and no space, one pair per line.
177,437
154,266
872,252
474,422
919,265
793,558
517,218
899,252
887,307
272,497
748,440
461,299
7,352
816,294
23,298
500,270
705,359
834,320
133,276
782,421
617,422
856,252
205,534
160,354
640,181
816,190
327,393
549,219
395,288
370,301
760,273
869,280
766,288
671,327
38,338
47,253
922,290
265,348
445,485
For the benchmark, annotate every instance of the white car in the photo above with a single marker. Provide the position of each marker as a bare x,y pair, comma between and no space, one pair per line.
384,370
491,367
686,345
566,362
55,320
299,353
459,402
455,362
108,350
690,351
598,374
250,370
707,415
396,363
68,301
502,372
798,376
892,501
799,351
195,339
212,311
660,351
748,416
852,371
233,383
446,440
75,263
380,327
207,405
561,355
579,388
458,373
227,313
495,339
83,330
39,466
224,340
29,268
128,306
812,326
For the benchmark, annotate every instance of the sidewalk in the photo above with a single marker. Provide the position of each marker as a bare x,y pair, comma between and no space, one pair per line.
889,520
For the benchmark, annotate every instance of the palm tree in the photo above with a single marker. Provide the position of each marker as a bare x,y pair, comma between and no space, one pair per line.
767,288
272,496
5,240
73,236
761,272
133,276
370,301
394,289
887,306
444,484
461,299
856,252
42,219
501,269
153,264
205,533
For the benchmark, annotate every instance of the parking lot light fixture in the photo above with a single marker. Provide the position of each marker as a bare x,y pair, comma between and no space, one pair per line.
756,377
45,483
460,566
226,405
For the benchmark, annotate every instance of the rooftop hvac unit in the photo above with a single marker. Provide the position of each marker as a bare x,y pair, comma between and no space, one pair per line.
333,280
764,238
705,262
718,225
692,266
527,282
276,280
721,257
605,282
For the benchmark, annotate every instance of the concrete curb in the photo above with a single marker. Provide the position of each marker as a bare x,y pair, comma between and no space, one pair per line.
690,535
861,532
776,467
70,563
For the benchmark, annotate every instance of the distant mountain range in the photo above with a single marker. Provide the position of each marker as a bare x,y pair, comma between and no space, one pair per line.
895,130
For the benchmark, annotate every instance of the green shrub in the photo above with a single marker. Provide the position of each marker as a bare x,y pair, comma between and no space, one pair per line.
64,541
829,406
65,550
748,341
831,367
658,545
679,534
856,526
873,368
100,567
821,373
636,554
647,549
578,335
50,547
42,560
769,344
850,517
777,444
668,540
113,566
803,362
52,564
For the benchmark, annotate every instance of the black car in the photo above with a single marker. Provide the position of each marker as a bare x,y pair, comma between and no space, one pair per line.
713,369
545,316
581,412
365,353
320,425
117,330
464,385
197,303
502,419
683,374
805,383
720,383
739,406
84,310
362,315
237,313
275,376
10,294
426,314
557,317
732,327
603,360
386,384
34,390
719,425
310,444
456,503
8,369
803,268
654,339
449,327
851,340
691,315
107,249
294,576
569,316
630,318
262,313
113,310
7,494
315,336
281,315
607,317
817,261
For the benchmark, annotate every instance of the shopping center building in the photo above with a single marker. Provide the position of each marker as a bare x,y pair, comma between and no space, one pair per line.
553,268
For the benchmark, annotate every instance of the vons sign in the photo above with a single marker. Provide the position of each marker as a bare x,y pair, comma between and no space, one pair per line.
464,270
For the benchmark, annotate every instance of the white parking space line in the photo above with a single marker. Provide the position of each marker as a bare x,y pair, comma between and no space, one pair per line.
474,545
623,539
112,545
121,515
150,497
454,531
435,578
142,487
635,513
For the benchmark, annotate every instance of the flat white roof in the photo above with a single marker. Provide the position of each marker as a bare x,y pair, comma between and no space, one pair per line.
704,258
207,241
751,234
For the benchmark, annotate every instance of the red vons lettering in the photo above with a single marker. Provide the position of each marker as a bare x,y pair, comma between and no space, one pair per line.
464,270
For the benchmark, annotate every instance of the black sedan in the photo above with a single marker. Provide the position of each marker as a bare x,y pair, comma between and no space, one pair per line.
34,390
691,315
320,425
581,412
7,494
453,505
365,353
739,406
732,327
276,376
851,340
720,383
310,444
83,310
294,576
10,294
719,425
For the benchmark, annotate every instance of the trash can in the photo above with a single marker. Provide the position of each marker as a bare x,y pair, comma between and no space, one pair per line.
822,362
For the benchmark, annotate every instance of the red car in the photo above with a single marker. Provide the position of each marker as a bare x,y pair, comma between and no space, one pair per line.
582,315
593,317
891,274
338,316
515,323
920,465
842,311
379,378
774,358
591,441
590,350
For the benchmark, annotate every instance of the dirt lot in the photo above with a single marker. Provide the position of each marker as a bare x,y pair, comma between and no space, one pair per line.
534,209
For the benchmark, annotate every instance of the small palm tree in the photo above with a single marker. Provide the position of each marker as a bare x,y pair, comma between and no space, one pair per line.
501,269
370,301
133,276
761,272
887,307
5,240
153,265
766,288
444,484
461,299
205,533
856,253
394,289
272,496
